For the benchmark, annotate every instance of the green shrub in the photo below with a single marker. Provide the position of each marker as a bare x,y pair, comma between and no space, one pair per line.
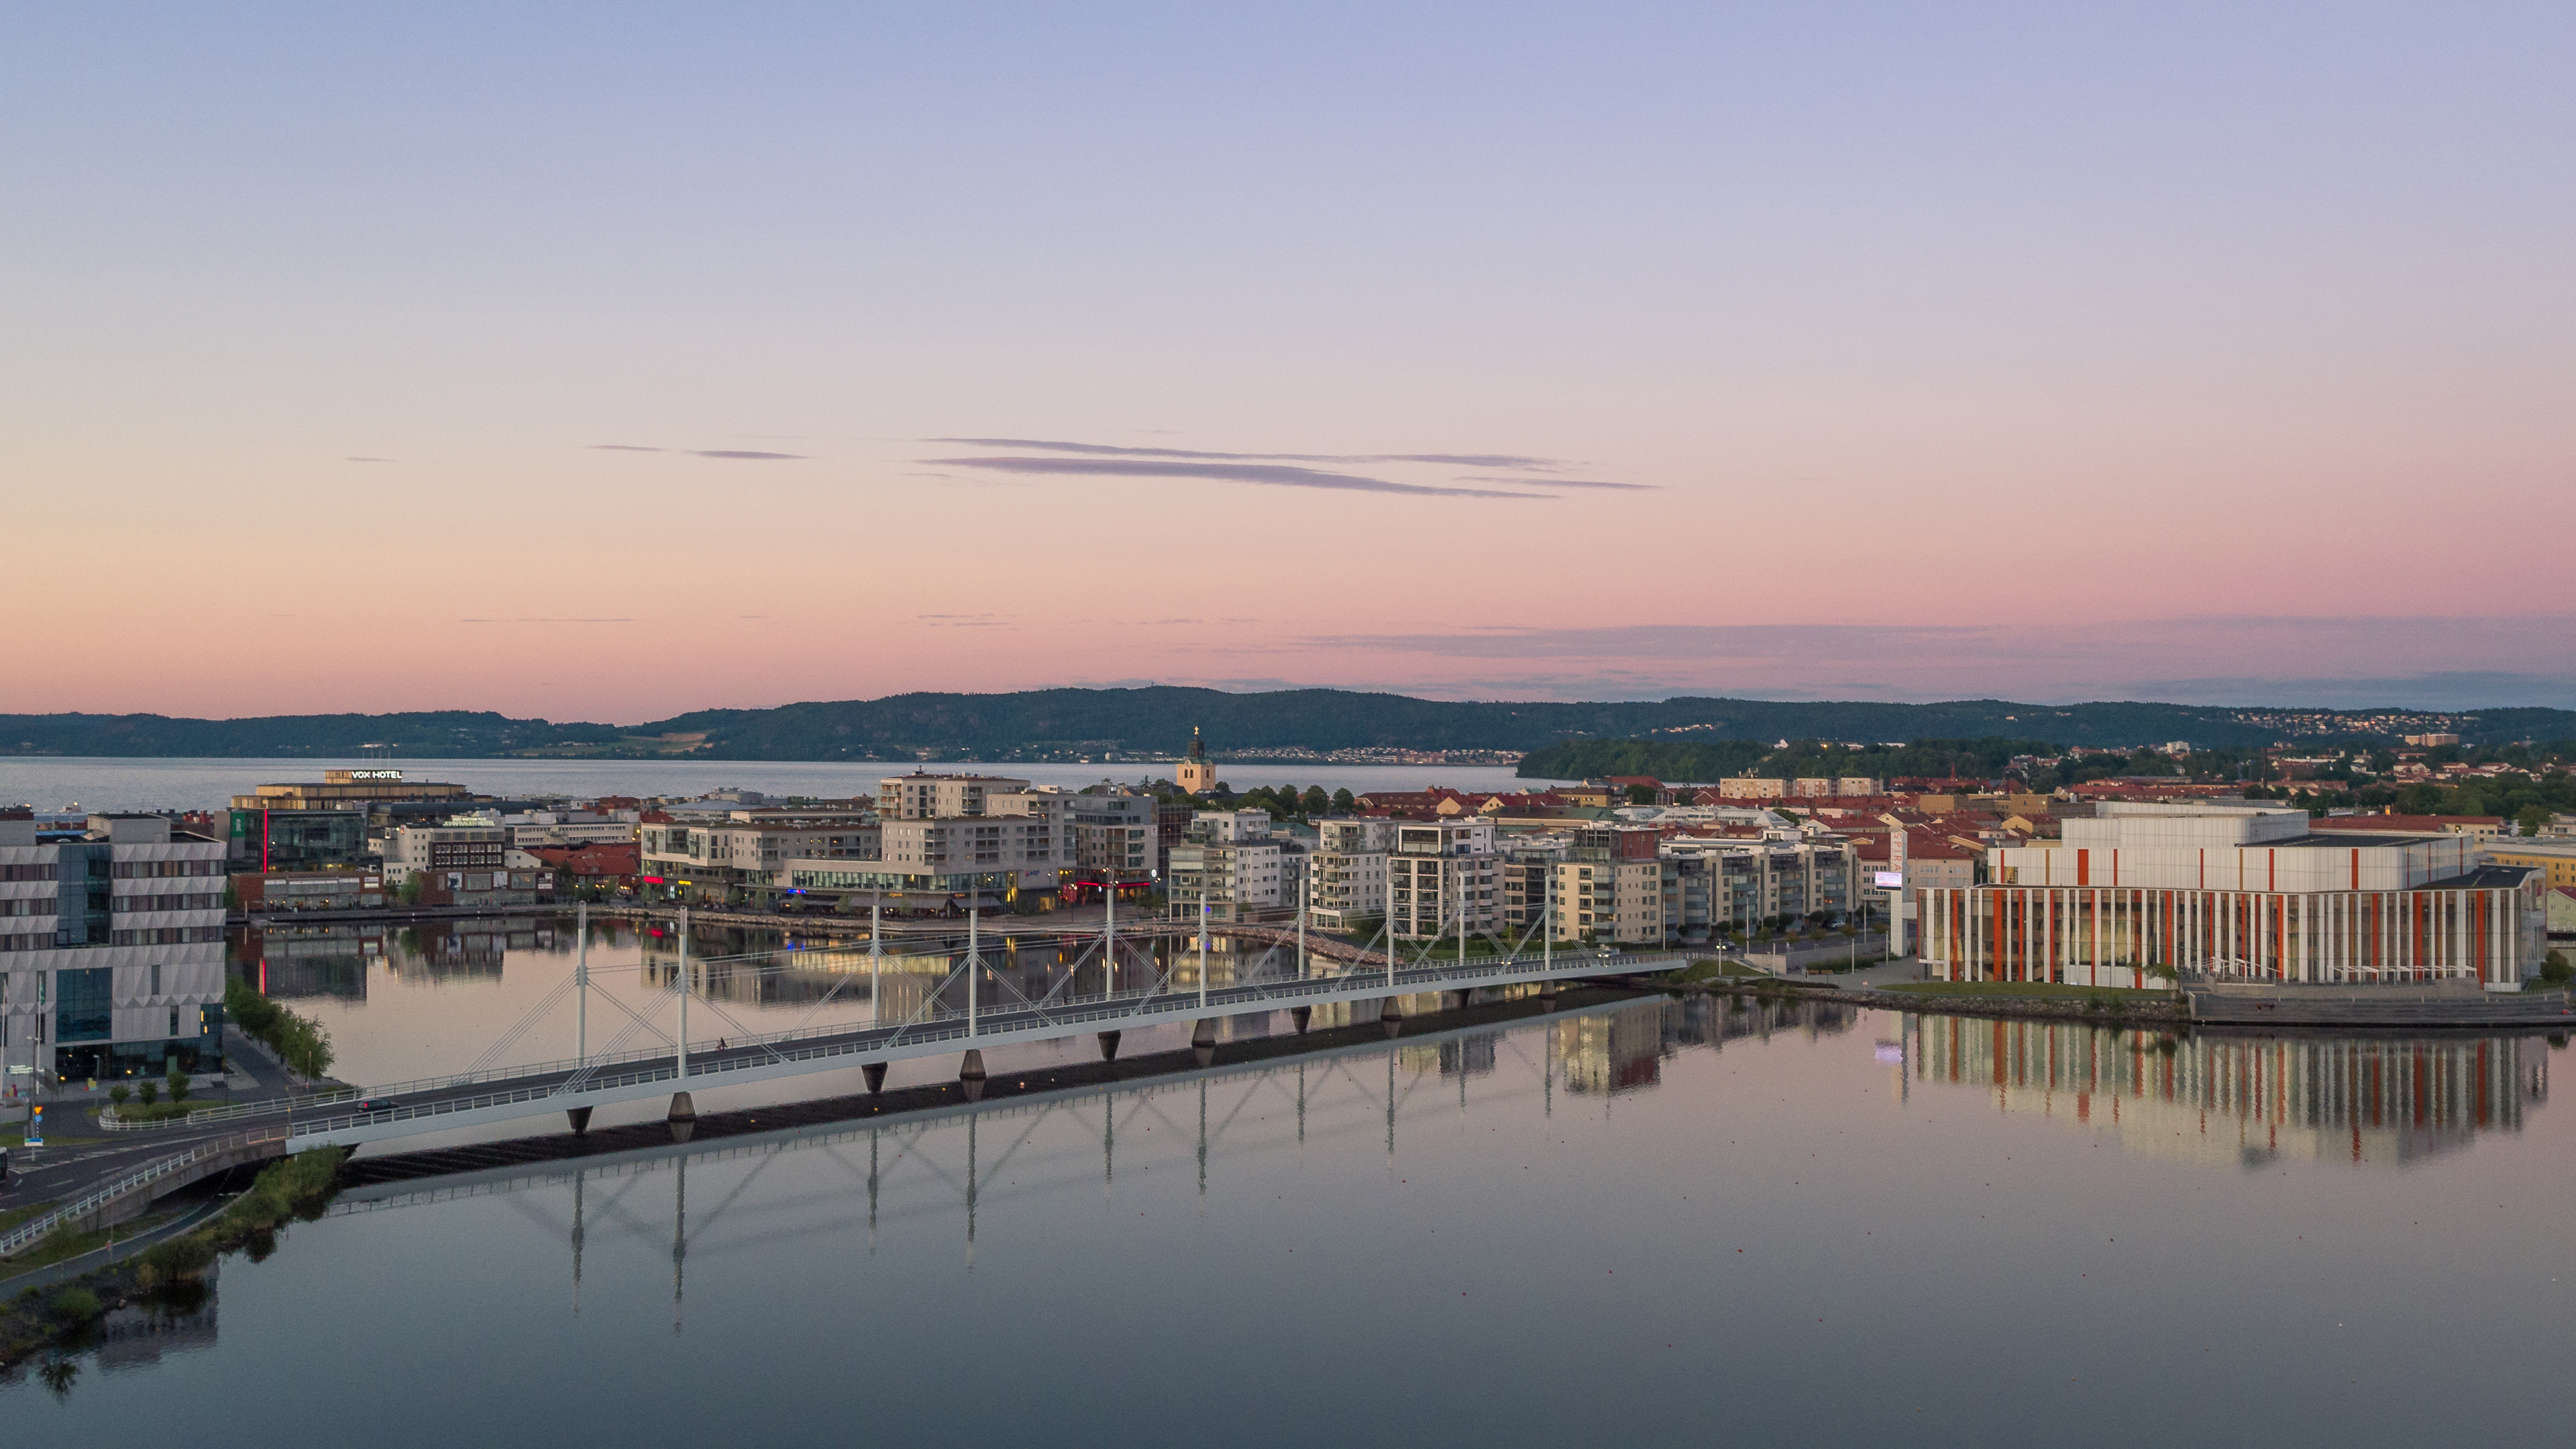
180,1258
151,1092
2554,968
73,1305
178,1085
298,1041
118,1094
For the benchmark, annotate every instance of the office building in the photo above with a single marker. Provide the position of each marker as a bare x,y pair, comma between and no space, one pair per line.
111,948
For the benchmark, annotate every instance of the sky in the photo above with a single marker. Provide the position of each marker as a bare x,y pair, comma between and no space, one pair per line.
610,362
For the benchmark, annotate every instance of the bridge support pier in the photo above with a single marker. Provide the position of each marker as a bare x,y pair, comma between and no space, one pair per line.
970,1075
1109,1046
683,1118
875,1073
1392,1015
1547,996
1203,1039
1303,1016
1466,997
580,1118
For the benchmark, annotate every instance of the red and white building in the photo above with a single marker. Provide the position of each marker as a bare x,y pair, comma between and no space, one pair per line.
2187,890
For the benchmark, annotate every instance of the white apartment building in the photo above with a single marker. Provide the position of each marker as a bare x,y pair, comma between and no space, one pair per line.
417,848
1345,876
1235,878
717,860
1230,825
1113,833
1443,878
924,796
952,843
111,948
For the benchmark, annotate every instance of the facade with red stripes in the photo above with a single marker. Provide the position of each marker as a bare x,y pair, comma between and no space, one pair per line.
2186,891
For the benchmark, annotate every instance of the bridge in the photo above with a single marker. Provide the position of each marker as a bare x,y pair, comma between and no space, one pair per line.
951,1163
972,1007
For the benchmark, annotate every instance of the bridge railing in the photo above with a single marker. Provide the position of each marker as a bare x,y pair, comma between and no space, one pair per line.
936,1024
26,1234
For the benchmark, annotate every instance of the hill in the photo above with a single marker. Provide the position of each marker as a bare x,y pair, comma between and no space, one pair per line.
1064,723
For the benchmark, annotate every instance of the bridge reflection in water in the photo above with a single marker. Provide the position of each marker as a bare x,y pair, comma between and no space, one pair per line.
2247,1100
971,1161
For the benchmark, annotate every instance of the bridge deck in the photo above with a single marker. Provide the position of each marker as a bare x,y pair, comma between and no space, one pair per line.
444,1105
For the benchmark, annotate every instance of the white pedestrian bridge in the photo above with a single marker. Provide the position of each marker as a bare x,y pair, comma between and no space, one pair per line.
973,1007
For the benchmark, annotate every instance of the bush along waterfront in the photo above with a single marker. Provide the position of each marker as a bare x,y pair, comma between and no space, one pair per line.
170,1273
299,1041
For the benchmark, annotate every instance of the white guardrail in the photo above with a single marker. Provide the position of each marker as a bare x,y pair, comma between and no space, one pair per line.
844,1039
30,1232
1071,1015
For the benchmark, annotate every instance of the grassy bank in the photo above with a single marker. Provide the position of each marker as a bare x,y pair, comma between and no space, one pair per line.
168,1273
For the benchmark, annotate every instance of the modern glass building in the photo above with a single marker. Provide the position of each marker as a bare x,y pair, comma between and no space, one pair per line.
111,949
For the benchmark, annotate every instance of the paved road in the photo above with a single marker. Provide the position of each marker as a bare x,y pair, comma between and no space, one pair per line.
78,1157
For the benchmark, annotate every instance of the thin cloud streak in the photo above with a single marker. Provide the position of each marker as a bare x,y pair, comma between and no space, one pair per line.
1559,482
733,453
1266,474
1452,460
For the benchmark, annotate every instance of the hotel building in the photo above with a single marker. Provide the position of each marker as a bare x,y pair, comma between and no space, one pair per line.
2191,890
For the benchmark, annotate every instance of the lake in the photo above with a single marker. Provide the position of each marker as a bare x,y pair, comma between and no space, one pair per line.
1664,1221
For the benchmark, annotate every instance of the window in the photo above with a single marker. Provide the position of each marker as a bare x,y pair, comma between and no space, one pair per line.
86,1012
156,990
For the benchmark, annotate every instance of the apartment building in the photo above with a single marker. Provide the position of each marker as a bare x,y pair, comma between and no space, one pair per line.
2554,859
1113,833
1230,825
740,857
1235,879
111,948
1608,887
1717,886
953,843
924,796
1443,878
937,867
1345,876
445,849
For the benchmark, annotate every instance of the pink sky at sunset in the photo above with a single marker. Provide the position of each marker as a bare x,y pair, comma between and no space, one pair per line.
361,362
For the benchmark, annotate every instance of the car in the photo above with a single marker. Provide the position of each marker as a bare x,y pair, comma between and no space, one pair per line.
375,1104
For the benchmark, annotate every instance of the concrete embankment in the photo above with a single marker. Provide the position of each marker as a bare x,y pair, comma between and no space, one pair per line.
2266,1008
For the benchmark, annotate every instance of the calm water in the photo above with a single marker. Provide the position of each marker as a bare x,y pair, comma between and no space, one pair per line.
1667,1222
164,784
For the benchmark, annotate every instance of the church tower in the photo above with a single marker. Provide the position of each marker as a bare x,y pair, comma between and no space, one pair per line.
1196,775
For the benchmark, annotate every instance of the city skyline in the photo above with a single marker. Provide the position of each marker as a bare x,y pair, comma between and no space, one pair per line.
587,364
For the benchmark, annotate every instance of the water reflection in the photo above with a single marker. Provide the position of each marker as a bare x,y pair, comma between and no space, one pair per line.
2240,1099
137,1336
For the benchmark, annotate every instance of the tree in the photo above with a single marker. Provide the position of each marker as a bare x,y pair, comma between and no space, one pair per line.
2533,820
1641,794
1344,800
2554,968
1314,801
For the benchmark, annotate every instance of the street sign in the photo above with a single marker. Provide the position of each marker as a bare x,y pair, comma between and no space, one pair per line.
36,1126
